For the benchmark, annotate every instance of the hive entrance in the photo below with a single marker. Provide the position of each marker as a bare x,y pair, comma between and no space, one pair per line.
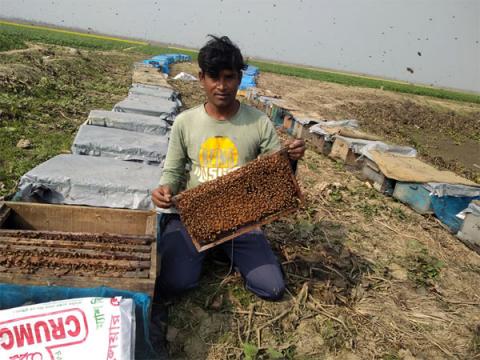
257,193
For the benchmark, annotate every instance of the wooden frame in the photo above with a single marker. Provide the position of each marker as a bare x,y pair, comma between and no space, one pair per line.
58,220
242,229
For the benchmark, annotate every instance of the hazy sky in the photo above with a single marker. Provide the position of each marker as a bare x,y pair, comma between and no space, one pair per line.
439,40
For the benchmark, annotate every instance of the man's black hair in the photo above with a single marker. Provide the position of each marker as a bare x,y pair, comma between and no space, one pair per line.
218,54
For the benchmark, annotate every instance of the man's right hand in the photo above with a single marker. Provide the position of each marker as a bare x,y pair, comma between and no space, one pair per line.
162,197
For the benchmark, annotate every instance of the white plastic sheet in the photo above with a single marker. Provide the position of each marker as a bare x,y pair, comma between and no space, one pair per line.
185,77
318,128
92,181
382,147
86,328
355,144
152,90
442,189
147,105
152,125
120,144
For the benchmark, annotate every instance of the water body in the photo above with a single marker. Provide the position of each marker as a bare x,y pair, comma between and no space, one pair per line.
433,42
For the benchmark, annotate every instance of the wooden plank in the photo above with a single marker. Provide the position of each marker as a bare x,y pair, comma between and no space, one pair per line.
340,150
76,245
141,285
151,225
69,236
32,216
121,264
71,274
112,255
155,262
5,212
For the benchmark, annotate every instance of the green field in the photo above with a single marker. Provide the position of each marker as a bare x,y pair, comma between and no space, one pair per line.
14,37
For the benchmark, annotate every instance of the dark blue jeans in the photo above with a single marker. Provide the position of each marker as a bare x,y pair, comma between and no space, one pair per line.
181,263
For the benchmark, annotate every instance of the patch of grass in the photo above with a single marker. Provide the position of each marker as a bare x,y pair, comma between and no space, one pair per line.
475,342
369,209
243,296
274,354
390,357
24,33
399,213
10,42
250,351
423,268
334,335
45,102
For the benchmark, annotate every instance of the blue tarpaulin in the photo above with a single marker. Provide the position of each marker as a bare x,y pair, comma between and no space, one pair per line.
249,77
446,209
18,295
251,71
163,61
247,82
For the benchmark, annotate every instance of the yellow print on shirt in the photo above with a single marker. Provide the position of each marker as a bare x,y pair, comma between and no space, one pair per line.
217,156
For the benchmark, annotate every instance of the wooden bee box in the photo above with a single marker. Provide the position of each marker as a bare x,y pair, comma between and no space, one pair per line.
341,150
76,246
256,194
380,182
288,123
320,144
415,195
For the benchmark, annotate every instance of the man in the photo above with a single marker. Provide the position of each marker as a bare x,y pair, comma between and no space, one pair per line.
214,139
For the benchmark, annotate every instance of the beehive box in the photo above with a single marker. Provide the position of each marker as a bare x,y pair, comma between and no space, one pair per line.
288,123
470,230
320,143
277,115
380,182
301,129
231,205
341,150
76,246
415,195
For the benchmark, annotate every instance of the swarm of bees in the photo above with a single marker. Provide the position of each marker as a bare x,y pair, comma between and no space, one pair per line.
251,195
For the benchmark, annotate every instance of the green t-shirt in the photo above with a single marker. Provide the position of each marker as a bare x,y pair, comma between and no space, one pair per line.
214,147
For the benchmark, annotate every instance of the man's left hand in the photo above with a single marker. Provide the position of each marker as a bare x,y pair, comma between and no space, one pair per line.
296,149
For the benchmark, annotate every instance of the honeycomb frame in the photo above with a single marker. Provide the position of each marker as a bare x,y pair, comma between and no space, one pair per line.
256,194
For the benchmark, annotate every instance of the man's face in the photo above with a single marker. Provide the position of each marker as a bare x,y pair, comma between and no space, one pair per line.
221,91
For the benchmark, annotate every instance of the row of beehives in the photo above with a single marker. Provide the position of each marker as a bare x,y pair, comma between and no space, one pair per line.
393,170
136,130
76,246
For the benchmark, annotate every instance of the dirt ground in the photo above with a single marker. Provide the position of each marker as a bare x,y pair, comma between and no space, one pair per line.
368,278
